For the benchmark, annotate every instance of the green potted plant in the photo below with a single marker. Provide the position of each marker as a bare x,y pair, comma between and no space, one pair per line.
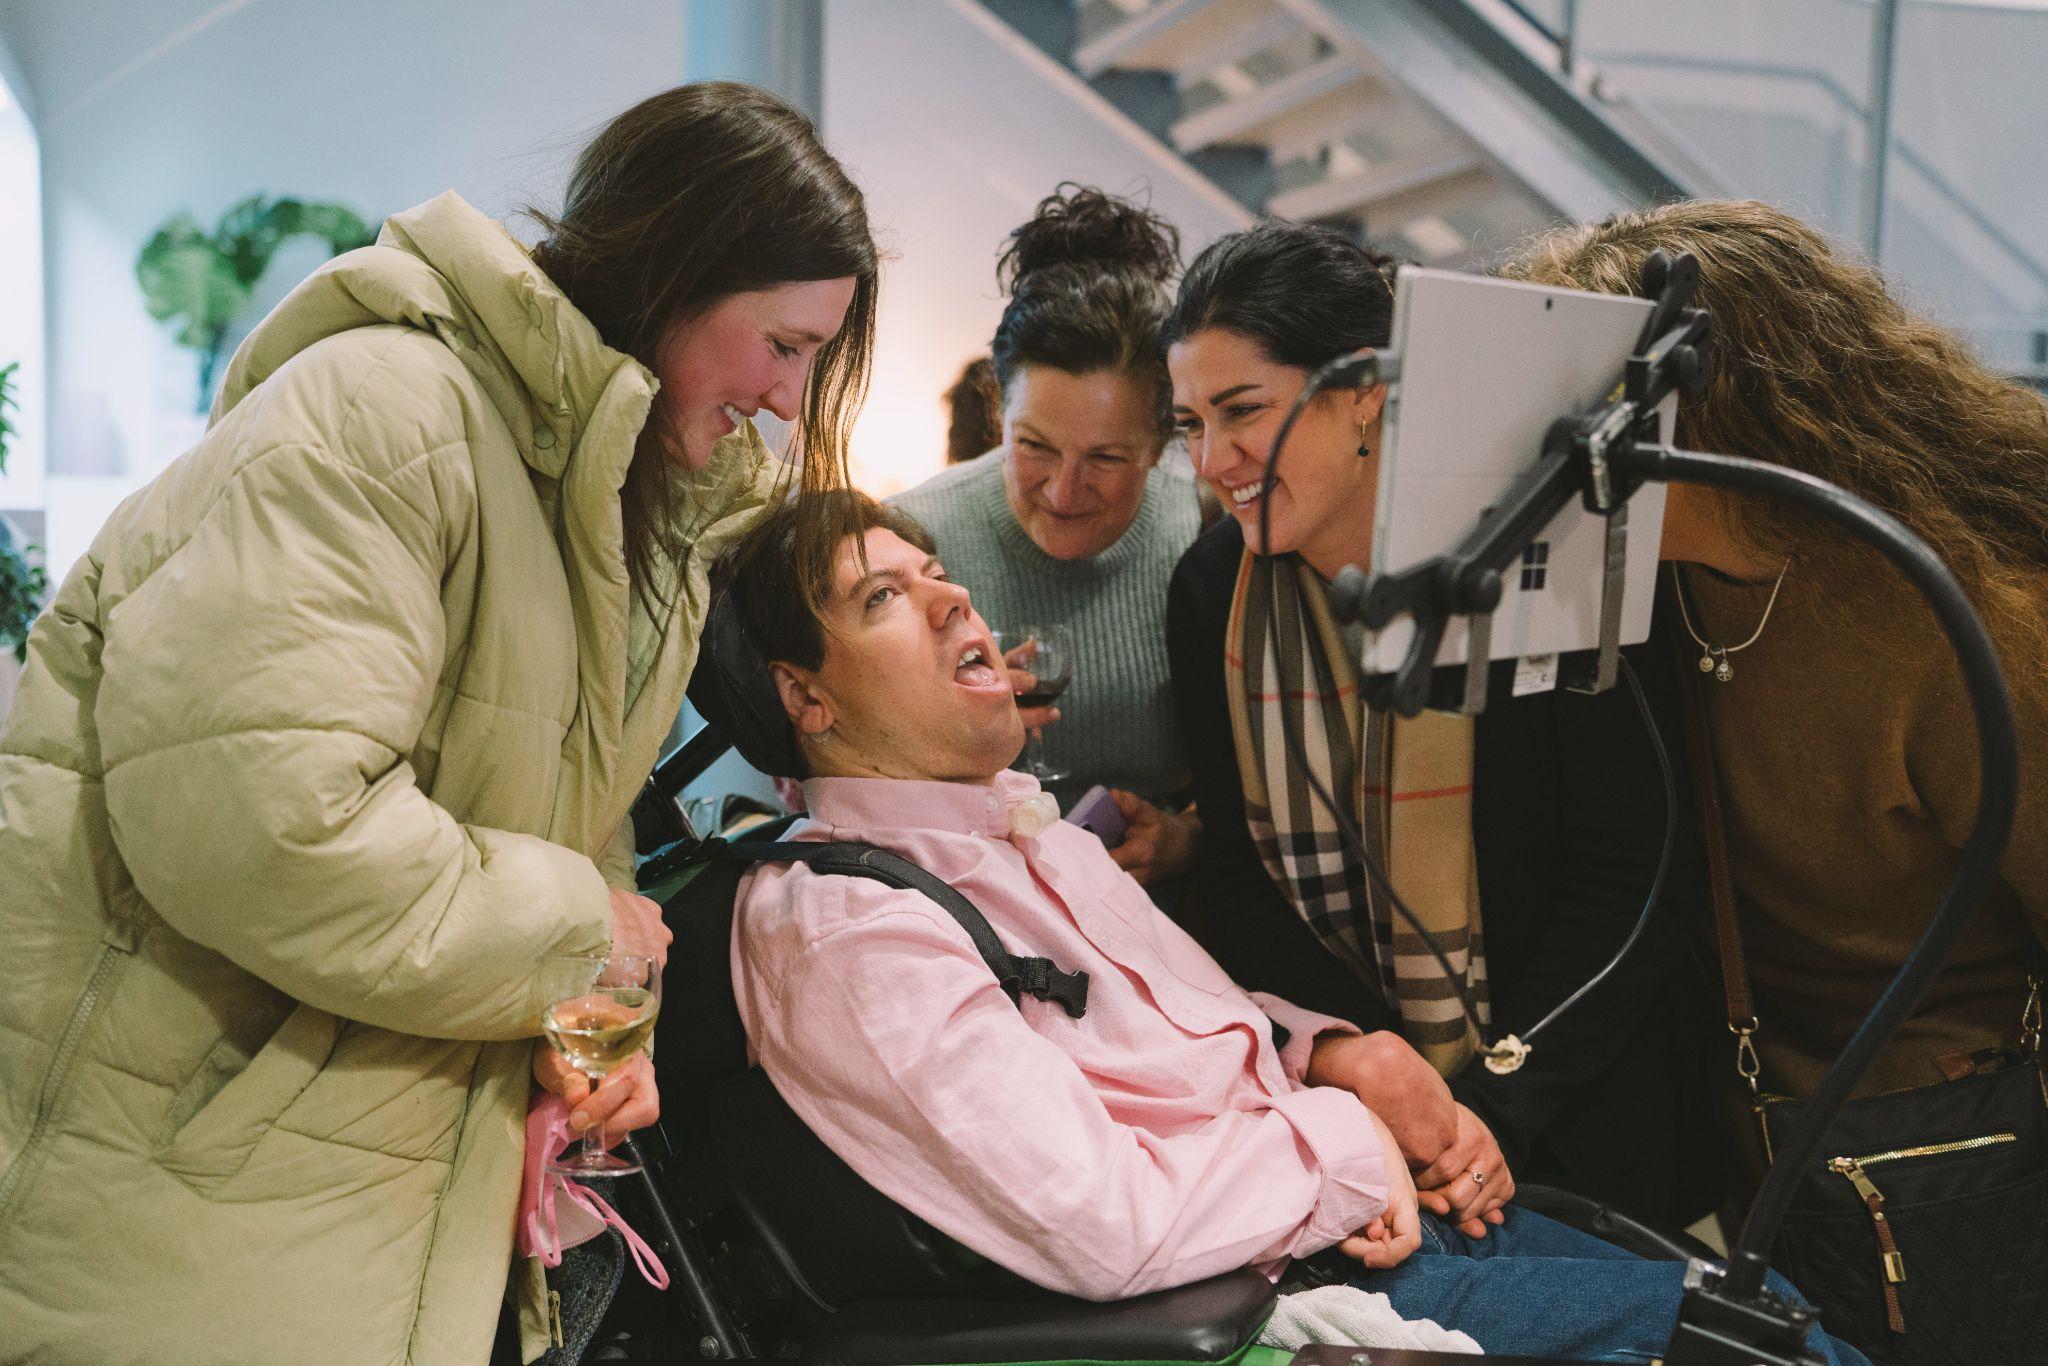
206,278
23,585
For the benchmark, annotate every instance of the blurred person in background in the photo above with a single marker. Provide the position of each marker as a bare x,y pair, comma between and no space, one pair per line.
974,412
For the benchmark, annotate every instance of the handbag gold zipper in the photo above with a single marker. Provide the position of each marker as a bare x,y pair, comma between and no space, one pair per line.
1894,1261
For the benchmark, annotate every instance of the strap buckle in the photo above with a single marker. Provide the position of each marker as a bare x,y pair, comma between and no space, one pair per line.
1747,1065
1040,978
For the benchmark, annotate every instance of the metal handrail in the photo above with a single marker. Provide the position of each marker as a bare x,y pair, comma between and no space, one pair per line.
1569,52
1827,84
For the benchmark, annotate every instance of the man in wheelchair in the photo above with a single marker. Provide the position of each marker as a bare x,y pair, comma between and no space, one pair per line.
1173,1129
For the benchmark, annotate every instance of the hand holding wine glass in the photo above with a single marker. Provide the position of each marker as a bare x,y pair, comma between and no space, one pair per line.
1044,652
1017,662
601,1011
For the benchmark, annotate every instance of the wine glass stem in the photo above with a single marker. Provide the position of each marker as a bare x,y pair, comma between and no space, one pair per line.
595,1138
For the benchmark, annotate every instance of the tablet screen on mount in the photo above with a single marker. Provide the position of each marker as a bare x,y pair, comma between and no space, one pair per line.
1486,366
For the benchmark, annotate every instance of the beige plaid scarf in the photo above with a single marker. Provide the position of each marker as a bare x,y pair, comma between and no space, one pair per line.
1405,784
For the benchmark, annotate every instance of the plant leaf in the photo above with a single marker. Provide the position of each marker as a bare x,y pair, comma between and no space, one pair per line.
247,236
339,225
190,280
7,429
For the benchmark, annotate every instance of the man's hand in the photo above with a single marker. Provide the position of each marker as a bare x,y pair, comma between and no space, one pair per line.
1469,1181
1397,1233
1157,843
627,1098
637,927
1402,1090
1022,681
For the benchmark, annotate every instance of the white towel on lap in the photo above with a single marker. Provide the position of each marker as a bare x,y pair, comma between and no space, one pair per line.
1345,1316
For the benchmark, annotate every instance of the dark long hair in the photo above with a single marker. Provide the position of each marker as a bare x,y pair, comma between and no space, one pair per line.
692,195
1305,294
1087,283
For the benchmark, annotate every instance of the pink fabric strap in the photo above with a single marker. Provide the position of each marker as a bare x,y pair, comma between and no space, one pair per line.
540,1233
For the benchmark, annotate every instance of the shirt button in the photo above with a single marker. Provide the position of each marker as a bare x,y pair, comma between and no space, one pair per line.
544,438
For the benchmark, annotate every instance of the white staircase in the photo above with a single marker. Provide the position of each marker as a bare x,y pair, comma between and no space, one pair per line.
1376,115
1448,130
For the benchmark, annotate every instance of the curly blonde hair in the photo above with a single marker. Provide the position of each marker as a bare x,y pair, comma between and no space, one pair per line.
1817,368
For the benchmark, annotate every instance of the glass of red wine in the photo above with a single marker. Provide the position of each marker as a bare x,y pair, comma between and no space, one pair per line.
1044,651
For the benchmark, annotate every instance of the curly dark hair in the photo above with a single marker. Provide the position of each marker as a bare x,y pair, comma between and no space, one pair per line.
1087,281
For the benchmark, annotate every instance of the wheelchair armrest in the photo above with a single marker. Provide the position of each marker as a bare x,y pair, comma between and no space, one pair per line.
1212,1320
1603,1221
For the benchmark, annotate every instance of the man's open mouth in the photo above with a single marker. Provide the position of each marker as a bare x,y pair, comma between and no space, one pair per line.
976,670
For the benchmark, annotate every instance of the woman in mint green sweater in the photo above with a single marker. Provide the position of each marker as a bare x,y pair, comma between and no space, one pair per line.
1076,518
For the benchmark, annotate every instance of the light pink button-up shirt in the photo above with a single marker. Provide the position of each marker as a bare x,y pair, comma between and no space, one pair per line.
1157,1140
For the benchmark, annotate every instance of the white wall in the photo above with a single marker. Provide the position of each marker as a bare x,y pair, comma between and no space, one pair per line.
21,293
148,108
955,128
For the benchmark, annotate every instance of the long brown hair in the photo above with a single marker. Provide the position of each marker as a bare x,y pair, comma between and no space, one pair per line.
1817,368
692,195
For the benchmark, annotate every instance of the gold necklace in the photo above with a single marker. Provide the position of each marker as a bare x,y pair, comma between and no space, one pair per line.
1714,658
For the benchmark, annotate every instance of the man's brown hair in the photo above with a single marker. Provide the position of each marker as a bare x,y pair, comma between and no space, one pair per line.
767,607
781,596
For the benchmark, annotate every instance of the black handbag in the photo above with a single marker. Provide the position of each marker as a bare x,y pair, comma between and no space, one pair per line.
1922,1233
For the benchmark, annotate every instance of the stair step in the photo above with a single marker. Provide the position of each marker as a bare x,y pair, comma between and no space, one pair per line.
1251,118
1351,194
1334,118
1187,37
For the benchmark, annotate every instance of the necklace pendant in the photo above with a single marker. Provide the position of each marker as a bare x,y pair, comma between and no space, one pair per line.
1707,662
1724,671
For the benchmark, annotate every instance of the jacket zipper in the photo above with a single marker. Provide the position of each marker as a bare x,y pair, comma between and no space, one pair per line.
1891,1260
60,1067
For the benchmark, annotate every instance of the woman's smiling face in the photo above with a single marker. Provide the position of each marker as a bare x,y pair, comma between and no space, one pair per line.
1079,451
746,352
1229,398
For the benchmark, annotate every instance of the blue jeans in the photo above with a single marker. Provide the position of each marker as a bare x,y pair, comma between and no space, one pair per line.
1534,1287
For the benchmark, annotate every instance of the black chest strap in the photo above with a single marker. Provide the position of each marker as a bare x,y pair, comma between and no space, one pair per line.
1017,975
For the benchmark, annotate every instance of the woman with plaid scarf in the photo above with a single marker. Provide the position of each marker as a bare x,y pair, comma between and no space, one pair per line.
1525,840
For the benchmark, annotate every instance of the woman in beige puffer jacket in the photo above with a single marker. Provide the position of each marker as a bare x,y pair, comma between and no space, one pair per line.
333,733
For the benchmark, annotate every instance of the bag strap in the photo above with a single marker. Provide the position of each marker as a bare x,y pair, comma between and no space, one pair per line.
1018,975
1741,1009
2031,1033
1735,993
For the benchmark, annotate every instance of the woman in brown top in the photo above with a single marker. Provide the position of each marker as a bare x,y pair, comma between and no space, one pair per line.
1840,731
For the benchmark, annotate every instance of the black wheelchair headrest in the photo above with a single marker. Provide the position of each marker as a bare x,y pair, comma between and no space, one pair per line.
735,692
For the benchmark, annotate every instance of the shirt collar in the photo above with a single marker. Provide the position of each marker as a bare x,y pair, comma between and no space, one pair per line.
902,804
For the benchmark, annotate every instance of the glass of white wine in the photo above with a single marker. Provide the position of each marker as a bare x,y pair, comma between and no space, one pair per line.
602,1011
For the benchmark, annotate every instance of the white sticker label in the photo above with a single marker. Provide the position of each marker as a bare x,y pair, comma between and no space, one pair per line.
1535,673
